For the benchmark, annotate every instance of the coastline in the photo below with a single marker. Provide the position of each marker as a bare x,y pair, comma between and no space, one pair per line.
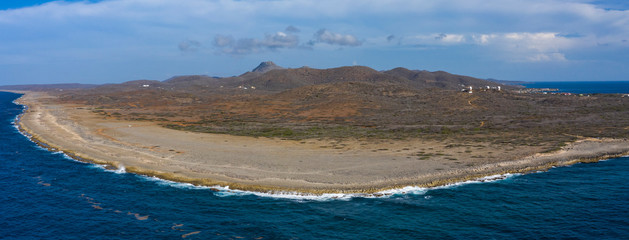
271,165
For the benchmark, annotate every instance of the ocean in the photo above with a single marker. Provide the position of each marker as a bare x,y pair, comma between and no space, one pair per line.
47,195
585,87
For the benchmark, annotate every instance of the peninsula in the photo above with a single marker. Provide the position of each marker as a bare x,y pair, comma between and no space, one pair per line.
347,129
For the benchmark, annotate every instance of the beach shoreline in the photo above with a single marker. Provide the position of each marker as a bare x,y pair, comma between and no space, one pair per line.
273,165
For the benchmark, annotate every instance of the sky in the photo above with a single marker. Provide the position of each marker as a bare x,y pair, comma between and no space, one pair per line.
112,41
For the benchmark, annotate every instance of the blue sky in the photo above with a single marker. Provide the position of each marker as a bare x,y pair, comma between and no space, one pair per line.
112,41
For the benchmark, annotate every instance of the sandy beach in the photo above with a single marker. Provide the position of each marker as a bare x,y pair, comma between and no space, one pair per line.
262,164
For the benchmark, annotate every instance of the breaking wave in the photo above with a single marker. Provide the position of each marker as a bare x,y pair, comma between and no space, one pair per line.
226,191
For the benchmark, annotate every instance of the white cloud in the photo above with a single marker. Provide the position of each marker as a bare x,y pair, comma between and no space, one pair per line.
450,38
331,38
401,17
280,40
436,39
545,57
512,30
189,46
530,47
223,41
227,44
513,46
292,29
538,41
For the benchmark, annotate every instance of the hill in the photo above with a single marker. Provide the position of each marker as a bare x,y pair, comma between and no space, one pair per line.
272,78
440,79
265,67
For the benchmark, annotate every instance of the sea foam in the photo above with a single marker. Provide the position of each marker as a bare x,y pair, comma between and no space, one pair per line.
121,169
414,190
225,191
164,182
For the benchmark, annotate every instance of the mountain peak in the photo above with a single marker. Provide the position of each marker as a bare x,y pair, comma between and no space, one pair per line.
266,66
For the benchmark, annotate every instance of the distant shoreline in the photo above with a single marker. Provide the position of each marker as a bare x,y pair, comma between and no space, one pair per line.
584,87
272,165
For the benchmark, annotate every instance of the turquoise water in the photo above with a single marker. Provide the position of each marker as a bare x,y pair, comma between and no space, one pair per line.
45,195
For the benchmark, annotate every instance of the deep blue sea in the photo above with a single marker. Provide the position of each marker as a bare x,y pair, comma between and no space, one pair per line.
584,87
46,195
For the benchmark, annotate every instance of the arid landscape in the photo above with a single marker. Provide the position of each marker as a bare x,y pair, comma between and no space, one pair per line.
349,129
359,102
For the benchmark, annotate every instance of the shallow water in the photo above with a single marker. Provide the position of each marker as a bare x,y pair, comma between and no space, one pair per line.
46,195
